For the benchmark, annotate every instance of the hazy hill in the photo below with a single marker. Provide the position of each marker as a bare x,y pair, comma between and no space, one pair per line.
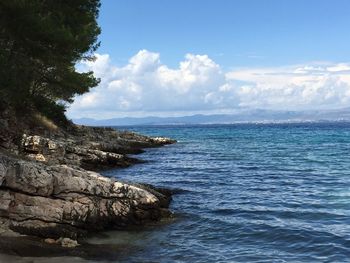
244,116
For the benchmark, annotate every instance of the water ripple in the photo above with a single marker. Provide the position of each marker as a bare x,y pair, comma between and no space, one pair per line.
251,193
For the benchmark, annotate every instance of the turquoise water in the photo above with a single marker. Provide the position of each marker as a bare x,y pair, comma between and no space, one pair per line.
249,193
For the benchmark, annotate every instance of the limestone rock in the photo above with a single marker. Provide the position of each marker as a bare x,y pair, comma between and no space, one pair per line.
67,242
47,188
90,148
59,200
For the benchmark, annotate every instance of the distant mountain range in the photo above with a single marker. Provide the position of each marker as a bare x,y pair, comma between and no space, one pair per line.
245,116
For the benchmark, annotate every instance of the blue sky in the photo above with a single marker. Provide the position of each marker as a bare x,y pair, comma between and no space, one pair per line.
232,32
166,58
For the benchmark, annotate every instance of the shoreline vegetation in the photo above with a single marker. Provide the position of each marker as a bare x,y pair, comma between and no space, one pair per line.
50,193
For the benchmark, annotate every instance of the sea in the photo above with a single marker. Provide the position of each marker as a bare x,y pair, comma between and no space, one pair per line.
244,193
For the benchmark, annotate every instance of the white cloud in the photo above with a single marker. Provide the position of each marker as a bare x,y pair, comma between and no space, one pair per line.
295,87
146,86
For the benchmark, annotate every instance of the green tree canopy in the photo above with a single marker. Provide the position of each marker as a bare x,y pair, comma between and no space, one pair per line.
40,43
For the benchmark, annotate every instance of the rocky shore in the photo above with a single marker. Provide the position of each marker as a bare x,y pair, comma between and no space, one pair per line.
51,192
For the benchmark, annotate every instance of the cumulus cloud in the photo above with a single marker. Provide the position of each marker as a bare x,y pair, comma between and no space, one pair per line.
324,86
146,86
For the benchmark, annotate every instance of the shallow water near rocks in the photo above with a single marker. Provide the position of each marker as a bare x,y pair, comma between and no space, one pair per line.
249,193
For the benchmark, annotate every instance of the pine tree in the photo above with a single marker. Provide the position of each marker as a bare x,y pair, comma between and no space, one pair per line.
40,43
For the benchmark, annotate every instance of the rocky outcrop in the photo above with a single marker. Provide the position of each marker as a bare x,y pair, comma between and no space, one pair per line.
47,188
58,200
87,147
69,152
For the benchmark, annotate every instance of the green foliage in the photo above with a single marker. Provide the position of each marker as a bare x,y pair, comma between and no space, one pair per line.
40,43
52,110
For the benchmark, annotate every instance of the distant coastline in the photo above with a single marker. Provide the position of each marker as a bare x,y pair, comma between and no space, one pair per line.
242,117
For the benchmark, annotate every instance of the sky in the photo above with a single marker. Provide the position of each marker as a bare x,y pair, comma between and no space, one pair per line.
172,58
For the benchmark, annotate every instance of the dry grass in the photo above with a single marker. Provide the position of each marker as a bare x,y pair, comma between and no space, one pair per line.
45,122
